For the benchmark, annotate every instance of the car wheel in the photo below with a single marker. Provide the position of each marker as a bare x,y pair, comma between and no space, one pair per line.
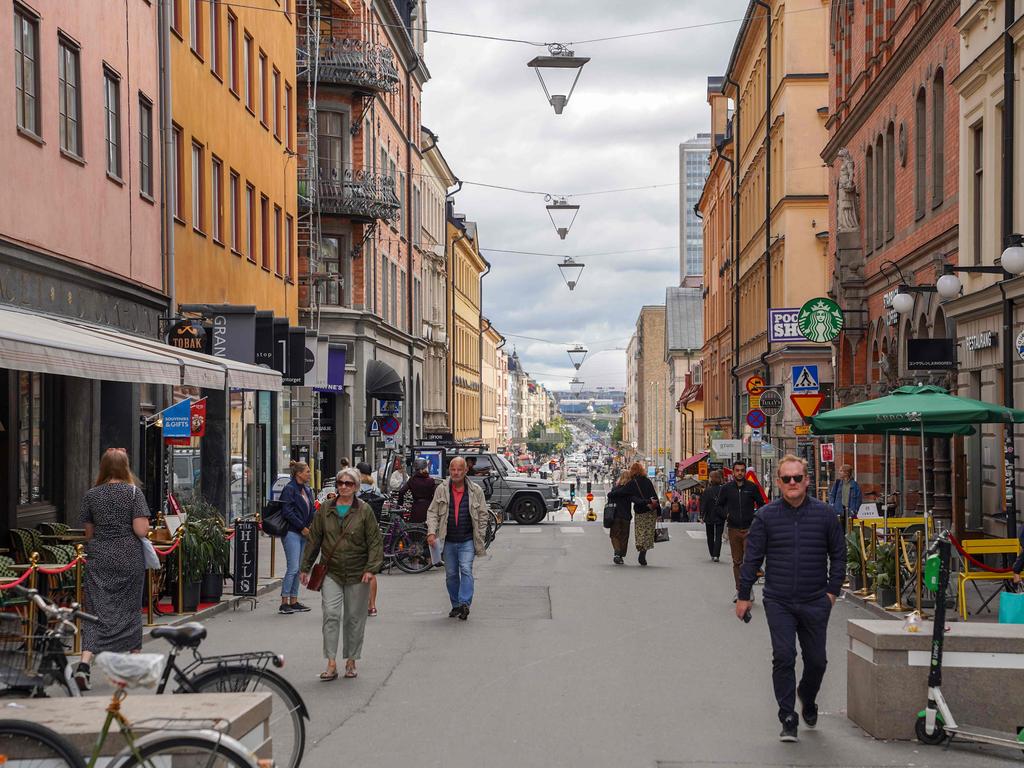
528,510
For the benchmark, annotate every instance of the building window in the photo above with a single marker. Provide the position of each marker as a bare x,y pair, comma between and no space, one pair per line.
112,107
384,288
145,146
33,418
214,36
890,182
869,198
176,17
265,230
277,104
278,266
288,116
938,136
879,193
70,101
394,295
198,188
289,233
247,71
236,219
195,26
919,153
264,107
232,53
26,70
977,190
331,144
176,178
217,198
250,222
330,290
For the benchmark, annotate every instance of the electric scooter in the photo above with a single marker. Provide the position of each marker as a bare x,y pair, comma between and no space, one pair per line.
935,723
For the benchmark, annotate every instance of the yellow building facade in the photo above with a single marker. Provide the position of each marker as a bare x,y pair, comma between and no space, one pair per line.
234,131
465,268
491,400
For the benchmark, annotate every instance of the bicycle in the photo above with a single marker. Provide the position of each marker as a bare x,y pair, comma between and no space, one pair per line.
231,673
405,544
494,521
27,744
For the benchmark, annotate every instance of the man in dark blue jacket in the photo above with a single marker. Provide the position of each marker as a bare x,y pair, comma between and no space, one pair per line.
802,540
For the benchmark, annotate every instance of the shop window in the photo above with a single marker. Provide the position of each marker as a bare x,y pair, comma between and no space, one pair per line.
33,467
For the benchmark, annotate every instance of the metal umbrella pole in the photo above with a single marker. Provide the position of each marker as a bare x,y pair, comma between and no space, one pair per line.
885,499
924,480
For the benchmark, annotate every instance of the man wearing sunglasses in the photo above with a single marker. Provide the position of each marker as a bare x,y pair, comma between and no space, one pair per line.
802,540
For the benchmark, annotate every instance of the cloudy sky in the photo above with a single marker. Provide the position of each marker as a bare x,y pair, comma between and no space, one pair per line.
636,101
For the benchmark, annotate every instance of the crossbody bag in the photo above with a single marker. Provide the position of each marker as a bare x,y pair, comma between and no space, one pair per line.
319,572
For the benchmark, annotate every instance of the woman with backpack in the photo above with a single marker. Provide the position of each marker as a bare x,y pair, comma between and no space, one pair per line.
711,514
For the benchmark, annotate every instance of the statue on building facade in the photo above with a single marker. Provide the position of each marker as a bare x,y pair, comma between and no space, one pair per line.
846,198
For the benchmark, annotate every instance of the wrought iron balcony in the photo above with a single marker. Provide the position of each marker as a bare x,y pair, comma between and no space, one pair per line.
358,64
353,192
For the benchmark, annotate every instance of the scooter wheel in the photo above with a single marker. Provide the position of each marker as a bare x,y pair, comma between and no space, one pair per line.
938,736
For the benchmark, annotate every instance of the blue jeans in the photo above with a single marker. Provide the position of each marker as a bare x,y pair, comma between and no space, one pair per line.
293,544
458,568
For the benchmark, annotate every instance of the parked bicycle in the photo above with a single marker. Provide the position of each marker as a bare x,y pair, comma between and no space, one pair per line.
405,544
151,743
46,670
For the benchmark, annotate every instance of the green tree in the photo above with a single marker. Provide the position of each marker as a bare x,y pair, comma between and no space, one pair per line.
617,432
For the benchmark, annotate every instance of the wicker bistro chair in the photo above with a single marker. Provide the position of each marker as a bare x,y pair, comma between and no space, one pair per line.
25,541
53,529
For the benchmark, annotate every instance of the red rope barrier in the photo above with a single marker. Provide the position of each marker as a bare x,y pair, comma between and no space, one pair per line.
165,552
25,575
974,561
55,571
231,535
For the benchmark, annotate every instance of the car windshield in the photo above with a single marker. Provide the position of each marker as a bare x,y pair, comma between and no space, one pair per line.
503,463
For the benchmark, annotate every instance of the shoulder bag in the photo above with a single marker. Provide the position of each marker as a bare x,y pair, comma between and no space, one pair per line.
273,520
319,572
610,508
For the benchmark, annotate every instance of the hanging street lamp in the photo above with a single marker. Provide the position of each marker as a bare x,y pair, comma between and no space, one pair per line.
571,271
562,214
576,385
561,60
577,355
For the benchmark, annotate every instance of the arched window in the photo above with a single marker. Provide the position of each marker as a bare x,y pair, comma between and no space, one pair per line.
869,199
938,135
919,154
890,182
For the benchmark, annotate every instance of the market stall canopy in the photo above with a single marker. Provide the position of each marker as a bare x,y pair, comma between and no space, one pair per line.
913,409
383,381
691,462
686,484
67,347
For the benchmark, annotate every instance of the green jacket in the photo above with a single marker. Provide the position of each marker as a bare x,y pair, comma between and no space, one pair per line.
360,551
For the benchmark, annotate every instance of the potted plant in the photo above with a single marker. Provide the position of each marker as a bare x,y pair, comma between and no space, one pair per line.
853,564
205,557
885,574
193,567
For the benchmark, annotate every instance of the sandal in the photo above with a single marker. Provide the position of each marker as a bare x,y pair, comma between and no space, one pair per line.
372,612
328,676
350,672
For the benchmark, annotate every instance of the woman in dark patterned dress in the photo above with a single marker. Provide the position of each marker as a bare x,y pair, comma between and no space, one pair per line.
115,517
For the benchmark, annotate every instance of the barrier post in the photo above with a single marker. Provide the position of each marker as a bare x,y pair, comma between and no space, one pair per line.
863,591
181,580
273,550
149,589
872,595
920,574
79,562
33,564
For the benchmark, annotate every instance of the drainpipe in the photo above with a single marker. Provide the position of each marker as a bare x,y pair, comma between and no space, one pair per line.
1009,122
736,263
167,155
411,143
767,184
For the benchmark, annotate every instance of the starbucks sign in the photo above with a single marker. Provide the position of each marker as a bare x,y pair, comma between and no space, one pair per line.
820,320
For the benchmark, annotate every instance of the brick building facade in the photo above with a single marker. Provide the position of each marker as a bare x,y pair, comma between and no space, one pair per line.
893,211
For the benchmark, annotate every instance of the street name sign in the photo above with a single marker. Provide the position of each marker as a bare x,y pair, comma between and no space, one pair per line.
809,404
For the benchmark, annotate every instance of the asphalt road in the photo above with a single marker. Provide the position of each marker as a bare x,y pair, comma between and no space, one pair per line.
566,660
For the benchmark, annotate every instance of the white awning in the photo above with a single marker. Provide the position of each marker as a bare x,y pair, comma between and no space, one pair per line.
65,347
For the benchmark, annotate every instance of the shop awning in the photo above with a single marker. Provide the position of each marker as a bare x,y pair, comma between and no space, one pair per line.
65,347
383,381
691,462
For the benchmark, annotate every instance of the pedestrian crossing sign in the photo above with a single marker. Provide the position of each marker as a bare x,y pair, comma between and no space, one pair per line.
805,378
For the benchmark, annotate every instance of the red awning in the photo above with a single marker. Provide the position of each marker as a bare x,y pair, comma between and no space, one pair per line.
690,462
691,394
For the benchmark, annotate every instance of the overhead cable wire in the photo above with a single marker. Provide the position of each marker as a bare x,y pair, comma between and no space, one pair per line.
580,255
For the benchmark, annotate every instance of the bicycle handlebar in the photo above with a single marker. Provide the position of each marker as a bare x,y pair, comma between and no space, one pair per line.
53,610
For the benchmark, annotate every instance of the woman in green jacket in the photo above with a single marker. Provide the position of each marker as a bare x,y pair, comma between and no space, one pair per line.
346,534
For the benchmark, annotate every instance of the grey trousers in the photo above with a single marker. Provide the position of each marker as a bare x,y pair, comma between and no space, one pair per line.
345,612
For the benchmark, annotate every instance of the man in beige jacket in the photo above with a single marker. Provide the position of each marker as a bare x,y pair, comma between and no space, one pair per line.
458,516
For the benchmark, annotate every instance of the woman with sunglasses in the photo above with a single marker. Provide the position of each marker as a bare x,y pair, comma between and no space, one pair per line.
346,535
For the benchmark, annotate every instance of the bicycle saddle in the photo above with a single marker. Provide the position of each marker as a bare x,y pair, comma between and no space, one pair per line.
185,636
131,670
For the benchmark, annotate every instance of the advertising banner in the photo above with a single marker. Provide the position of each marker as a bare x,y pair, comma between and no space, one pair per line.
264,347
233,333
783,326
177,420
335,368
280,363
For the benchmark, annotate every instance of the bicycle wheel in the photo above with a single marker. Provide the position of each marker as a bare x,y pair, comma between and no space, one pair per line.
288,711
412,555
174,749
28,745
491,530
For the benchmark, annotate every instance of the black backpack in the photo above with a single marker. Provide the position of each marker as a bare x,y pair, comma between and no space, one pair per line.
375,500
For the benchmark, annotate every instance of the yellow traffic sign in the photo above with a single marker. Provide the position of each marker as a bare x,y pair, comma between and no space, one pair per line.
755,402
702,471
802,429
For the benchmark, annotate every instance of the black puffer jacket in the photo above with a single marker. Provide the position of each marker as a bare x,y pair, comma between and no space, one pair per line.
805,551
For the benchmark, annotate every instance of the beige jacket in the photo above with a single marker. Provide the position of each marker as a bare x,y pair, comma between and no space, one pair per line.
437,513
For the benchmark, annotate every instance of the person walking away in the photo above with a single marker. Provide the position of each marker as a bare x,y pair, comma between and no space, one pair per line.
711,514
116,518
806,560
675,511
739,499
457,515
621,495
297,505
693,508
844,496
421,487
346,536
647,509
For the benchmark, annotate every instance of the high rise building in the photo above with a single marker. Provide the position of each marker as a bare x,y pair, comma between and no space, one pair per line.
693,170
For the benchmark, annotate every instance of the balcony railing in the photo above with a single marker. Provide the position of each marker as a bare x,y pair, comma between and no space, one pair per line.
354,192
355,63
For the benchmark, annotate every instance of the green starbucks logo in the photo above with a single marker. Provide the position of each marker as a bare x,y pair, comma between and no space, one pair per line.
820,320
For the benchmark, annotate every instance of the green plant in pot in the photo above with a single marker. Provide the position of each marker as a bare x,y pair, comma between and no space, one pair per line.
884,567
853,564
206,556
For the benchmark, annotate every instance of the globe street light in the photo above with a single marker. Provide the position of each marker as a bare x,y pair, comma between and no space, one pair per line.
560,60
